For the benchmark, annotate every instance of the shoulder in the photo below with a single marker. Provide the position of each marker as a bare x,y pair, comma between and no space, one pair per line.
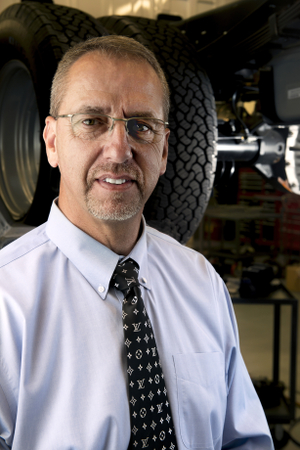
166,247
190,271
166,242
26,245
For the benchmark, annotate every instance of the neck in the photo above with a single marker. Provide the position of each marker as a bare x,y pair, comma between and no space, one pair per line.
118,236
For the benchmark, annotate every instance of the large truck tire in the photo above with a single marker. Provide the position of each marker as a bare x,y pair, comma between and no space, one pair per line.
181,196
33,38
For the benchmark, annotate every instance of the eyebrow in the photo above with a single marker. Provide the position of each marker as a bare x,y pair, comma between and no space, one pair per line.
92,110
143,114
100,110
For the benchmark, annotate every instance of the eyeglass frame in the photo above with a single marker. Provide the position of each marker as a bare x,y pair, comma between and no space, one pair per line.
113,120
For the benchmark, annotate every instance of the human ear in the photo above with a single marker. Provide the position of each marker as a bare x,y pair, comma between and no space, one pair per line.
49,136
164,157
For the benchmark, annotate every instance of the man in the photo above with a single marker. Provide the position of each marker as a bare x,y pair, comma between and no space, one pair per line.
64,368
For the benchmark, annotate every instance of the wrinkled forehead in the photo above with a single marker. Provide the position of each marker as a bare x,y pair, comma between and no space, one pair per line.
119,82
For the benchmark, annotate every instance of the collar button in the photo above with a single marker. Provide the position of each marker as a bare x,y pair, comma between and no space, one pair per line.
101,289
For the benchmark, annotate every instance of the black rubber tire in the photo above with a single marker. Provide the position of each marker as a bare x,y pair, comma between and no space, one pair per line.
33,38
179,201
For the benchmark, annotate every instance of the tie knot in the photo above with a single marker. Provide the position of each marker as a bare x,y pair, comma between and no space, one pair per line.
126,276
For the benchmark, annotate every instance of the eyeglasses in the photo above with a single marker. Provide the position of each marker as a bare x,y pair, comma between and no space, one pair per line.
92,127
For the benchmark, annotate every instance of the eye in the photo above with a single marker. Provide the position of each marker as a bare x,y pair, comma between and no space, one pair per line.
141,126
89,122
145,129
89,126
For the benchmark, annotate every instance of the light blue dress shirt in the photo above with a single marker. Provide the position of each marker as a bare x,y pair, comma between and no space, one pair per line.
63,380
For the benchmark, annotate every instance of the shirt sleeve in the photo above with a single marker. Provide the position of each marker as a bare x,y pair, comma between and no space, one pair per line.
245,424
9,368
6,424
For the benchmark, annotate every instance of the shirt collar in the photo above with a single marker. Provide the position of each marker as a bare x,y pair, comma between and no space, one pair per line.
95,261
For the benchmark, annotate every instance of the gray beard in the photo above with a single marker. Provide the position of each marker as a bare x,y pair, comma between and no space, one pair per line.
116,208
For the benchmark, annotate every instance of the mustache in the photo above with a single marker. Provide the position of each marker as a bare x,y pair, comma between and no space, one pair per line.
115,169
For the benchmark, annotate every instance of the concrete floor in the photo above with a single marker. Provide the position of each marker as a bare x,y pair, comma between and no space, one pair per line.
256,337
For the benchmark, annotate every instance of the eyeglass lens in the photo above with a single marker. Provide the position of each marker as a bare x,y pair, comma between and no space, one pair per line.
94,127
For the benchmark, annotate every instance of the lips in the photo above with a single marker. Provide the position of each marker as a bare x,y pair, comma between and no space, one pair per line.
115,180
114,177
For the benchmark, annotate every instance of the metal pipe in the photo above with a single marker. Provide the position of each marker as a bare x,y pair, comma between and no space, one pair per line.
230,149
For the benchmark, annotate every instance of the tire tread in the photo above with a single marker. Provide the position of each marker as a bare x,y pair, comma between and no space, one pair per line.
181,196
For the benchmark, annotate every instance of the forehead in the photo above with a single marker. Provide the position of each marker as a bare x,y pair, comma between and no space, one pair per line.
113,84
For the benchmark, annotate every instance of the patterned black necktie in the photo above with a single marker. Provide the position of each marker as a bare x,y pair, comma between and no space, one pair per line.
150,414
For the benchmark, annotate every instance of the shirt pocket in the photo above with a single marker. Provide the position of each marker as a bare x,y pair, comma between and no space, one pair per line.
201,398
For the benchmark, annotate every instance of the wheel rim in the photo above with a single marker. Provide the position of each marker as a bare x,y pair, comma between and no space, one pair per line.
20,145
292,159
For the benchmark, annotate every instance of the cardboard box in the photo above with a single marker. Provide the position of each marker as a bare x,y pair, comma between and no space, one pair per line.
292,278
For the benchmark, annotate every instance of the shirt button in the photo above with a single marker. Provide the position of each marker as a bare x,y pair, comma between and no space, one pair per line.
144,280
101,289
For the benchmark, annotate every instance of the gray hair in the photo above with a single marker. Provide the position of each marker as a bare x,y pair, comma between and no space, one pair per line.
111,46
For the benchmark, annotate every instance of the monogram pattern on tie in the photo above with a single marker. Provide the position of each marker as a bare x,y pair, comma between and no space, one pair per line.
151,422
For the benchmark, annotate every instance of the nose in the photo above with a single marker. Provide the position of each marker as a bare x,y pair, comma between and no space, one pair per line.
116,147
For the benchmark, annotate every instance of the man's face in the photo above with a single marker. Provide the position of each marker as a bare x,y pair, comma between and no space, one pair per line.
108,179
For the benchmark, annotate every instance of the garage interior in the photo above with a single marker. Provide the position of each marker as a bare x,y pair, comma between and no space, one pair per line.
253,225
250,229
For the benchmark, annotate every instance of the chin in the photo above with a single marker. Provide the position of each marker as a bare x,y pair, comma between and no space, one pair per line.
116,213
